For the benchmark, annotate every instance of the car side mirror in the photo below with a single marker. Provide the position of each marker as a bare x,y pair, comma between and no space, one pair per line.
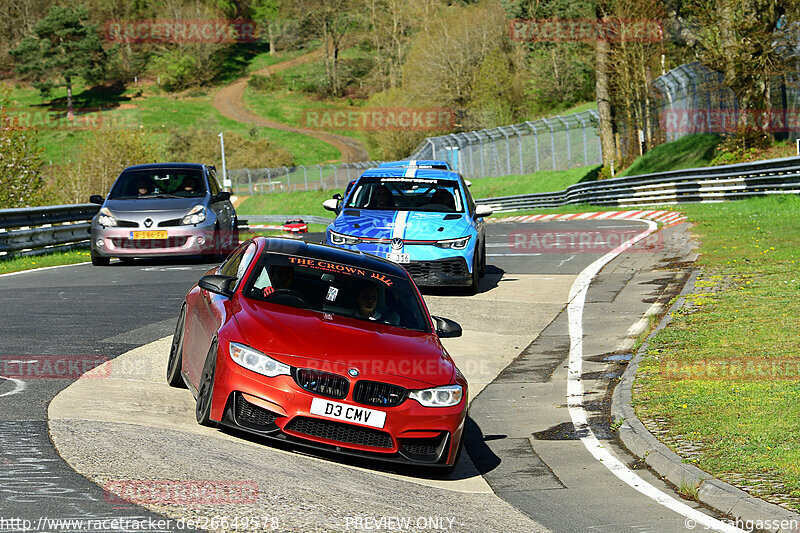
332,204
483,211
222,197
217,283
446,328
96,199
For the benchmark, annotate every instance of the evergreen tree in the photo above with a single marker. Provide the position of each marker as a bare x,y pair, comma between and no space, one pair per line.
63,46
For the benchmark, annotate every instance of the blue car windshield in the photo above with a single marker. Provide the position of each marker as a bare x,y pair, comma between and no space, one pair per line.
406,194
337,289
159,183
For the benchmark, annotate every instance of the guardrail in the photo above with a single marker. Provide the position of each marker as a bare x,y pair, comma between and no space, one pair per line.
32,231
37,230
712,184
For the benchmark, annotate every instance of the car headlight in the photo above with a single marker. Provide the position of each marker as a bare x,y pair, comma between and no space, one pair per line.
195,216
105,218
446,396
455,244
341,238
258,362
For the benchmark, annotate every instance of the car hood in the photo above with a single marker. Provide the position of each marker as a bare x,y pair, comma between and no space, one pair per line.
408,225
152,205
307,339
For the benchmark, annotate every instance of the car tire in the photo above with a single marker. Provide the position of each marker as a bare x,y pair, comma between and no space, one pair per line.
205,389
175,361
482,270
98,260
476,273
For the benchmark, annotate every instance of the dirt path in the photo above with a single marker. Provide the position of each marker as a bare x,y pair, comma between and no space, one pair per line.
230,102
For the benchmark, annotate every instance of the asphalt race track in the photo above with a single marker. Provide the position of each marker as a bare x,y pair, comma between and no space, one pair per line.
525,469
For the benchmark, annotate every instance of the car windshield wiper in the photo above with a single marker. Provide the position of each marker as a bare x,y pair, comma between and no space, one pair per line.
160,196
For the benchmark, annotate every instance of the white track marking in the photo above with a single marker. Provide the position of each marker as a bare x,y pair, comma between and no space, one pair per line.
19,386
577,298
43,268
570,258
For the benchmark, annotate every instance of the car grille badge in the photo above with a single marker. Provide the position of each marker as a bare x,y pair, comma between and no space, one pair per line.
148,222
353,372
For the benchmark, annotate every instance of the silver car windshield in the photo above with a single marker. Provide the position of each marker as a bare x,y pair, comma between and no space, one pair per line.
159,183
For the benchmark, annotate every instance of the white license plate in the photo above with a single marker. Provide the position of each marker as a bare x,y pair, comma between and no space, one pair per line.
398,258
348,413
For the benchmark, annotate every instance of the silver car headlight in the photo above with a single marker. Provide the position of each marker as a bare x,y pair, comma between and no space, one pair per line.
105,218
341,238
195,216
258,362
455,244
446,396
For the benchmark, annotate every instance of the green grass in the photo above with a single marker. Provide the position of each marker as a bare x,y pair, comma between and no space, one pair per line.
687,152
159,114
744,308
544,181
18,264
310,202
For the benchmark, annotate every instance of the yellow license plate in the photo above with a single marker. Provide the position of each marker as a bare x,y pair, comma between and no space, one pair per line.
162,234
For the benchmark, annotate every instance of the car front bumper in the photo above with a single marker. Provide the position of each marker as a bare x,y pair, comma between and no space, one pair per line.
278,408
182,240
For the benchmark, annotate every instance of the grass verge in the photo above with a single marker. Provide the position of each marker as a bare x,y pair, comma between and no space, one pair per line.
18,264
723,379
691,151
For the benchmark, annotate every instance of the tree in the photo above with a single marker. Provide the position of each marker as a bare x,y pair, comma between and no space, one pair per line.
20,161
745,40
63,47
331,20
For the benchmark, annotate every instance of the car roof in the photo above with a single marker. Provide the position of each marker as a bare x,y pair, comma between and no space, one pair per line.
334,254
158,166
410,172
417,163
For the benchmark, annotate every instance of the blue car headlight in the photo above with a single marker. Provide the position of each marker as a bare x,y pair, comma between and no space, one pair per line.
341,238
454,244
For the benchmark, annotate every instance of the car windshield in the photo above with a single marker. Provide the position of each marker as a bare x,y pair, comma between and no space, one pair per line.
337,289
159,183
407,194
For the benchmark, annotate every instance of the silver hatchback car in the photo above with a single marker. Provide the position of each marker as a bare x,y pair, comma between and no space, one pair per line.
164,209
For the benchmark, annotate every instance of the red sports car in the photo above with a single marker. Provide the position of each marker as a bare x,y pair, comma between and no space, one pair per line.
295,226
324,347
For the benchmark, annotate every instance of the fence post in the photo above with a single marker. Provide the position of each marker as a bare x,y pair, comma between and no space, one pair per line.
569,144
532,126
519,138
585,148
249,182
288,179
269,180
552,142
321,179
305,176
483,164
335,177
508,150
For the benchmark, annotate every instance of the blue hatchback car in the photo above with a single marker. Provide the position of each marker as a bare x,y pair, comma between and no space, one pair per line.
423,219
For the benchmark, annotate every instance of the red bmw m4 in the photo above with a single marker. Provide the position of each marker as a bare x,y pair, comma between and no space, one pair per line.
321,347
